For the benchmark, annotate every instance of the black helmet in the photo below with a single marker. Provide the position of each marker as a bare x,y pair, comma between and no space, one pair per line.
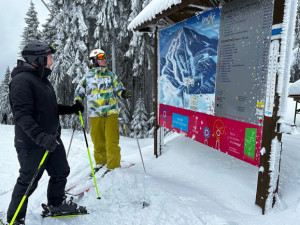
36,52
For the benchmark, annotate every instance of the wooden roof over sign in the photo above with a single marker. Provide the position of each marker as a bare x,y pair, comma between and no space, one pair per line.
189,8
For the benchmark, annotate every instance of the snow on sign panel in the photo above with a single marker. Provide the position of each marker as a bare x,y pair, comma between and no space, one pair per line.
188,60
212,82
244,42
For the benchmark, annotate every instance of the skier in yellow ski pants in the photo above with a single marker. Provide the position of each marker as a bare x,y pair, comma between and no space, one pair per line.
105,136
102,88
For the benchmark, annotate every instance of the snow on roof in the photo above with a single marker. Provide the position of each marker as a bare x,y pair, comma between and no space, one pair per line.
294,88
150,11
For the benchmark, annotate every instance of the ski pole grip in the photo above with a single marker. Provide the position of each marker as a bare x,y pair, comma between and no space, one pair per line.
81,120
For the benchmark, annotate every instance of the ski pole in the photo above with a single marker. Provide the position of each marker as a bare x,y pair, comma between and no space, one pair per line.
88,150
71,141
140,151
124,127
29,187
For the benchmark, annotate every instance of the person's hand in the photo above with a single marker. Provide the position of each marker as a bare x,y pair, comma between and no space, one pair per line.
48,141
77,107
125,94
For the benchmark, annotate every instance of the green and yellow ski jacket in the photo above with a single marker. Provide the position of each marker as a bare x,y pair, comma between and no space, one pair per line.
101,87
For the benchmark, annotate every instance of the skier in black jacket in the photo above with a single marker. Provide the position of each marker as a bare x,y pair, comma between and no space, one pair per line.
36,115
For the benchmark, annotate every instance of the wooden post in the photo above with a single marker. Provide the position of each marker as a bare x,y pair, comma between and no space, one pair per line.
263,182
270,155
155,108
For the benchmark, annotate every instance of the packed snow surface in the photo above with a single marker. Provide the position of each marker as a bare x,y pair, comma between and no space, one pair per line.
294,88
189,184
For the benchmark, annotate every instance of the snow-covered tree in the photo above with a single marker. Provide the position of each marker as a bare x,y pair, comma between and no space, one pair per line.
110,30
139,120
49,30
150,133
71,58
4,97
111,34
141,52
295,70
124,118
76,27
31,32
138,49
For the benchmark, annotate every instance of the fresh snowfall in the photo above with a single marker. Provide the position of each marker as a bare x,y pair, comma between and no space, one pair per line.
189,184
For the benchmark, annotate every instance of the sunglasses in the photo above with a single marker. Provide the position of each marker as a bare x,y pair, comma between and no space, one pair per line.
101,56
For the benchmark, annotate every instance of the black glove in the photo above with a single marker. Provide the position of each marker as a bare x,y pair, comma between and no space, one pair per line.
48,141
125,94
77,107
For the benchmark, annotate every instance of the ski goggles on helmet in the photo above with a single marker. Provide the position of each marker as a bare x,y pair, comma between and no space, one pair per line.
101,56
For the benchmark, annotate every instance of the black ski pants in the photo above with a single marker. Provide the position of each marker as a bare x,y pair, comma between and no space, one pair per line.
57,168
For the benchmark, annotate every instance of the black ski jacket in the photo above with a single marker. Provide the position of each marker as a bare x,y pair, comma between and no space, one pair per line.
33,103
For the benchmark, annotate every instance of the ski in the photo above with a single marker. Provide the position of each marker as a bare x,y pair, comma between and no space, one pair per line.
88,188
65,215
80,193
63,212
67,191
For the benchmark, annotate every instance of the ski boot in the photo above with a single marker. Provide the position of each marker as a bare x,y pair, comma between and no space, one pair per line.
96,169
65,208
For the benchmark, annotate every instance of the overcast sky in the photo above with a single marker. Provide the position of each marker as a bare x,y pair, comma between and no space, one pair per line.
12,24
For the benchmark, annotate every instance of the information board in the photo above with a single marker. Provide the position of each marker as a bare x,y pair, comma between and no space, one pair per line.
245,35
213,77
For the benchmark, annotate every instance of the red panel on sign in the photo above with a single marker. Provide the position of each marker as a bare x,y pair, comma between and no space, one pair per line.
235,138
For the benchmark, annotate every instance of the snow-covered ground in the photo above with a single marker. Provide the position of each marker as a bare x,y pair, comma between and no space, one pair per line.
188,184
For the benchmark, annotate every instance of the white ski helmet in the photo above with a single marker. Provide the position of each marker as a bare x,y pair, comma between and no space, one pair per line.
93,56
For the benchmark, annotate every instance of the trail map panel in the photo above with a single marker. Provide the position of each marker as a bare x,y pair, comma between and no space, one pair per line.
245,33
188,62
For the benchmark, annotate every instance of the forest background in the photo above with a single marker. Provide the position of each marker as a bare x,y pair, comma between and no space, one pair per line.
76,28
79,26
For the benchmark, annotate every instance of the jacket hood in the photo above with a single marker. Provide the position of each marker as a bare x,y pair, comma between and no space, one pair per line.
22,66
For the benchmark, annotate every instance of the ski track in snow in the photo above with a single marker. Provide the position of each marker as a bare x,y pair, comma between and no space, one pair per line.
189,184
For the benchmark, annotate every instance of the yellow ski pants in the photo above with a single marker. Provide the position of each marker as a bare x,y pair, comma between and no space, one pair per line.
105,137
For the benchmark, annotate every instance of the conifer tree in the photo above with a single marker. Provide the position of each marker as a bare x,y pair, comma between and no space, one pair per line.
124,118
141,51
110,30
295,70
31,32
150,133
111,35
139,120
4,97
71,58
79,26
